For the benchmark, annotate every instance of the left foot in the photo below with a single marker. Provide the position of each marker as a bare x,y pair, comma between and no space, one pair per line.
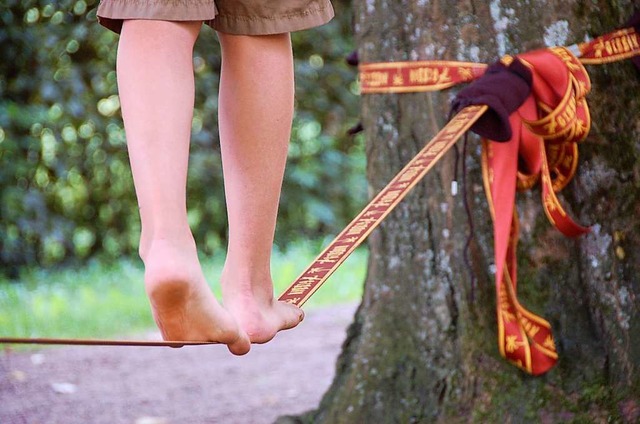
183,305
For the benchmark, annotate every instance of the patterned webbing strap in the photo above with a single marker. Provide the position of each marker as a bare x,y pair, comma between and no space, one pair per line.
404,77
357,231
98,342
547,128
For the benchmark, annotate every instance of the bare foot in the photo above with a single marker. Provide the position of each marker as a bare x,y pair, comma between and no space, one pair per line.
256,310
183,305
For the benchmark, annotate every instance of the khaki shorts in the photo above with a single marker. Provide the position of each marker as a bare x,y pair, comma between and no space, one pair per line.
247,17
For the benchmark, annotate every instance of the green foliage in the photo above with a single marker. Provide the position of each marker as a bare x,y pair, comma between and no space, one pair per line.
65,184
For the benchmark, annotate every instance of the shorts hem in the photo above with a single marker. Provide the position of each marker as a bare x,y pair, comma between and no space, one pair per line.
266,25
112,14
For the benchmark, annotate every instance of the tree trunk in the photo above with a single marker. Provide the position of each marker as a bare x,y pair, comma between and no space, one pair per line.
422,347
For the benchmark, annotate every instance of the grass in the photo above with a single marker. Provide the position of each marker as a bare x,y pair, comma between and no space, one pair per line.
102,301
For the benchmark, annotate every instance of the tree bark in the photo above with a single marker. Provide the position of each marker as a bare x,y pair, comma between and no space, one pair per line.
422,347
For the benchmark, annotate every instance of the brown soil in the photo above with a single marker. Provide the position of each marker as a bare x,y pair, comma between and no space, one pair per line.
191,385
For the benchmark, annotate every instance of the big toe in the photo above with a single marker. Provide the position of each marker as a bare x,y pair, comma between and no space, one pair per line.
241,345
291,315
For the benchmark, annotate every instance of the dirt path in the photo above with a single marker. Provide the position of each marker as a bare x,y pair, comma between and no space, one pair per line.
192,385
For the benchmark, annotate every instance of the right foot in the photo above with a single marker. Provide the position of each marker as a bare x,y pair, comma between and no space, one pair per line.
259,316
183,305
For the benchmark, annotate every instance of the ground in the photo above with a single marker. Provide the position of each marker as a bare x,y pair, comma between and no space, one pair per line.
159,385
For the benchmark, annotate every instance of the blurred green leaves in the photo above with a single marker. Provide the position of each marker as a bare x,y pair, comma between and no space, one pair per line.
65,185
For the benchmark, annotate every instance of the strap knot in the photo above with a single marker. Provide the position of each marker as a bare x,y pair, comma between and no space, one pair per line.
546,127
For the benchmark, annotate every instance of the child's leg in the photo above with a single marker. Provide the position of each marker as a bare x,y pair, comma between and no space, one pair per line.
156,84
255,113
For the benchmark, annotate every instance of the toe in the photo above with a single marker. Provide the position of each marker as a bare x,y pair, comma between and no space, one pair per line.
292,315
240,346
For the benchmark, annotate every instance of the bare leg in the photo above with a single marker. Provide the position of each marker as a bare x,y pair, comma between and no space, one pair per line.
156,84
255,113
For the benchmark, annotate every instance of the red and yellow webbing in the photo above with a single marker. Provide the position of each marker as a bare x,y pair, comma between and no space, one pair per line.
406,77
379,207
546,130
434,75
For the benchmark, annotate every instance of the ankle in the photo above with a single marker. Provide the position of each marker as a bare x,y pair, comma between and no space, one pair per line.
152,246
171,279
243,283
171,260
